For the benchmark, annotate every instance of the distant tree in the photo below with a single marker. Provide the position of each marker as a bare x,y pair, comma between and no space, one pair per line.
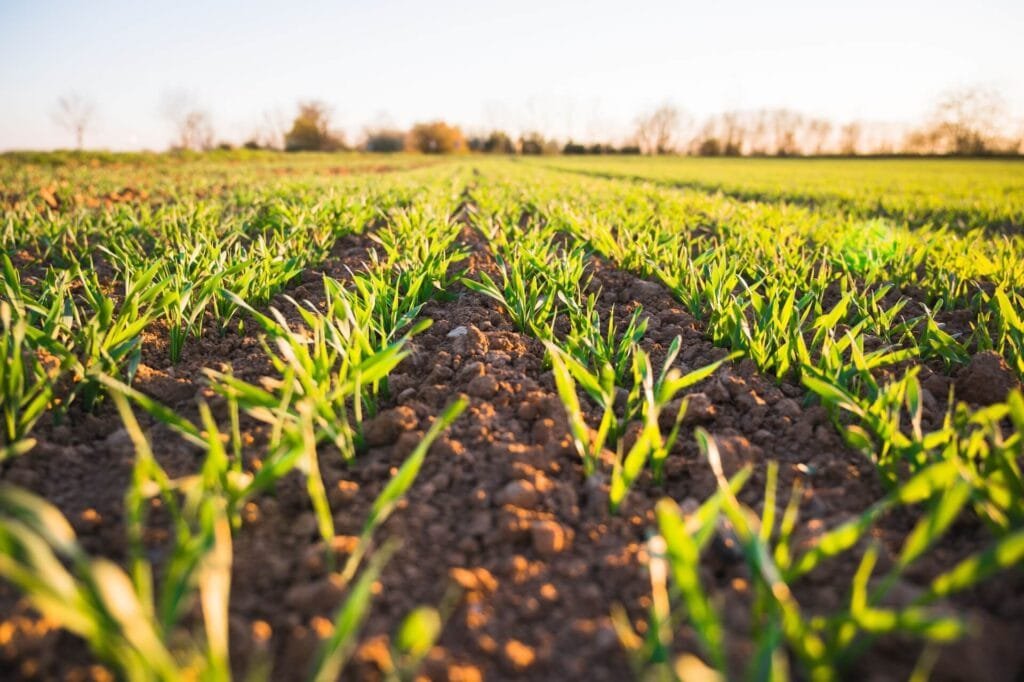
572,148
498,142
435,137
311,130
74,113
786,125
192,126
818,131
733,133
849,138
656,132
385,140
721,135
759,128
272,130
195,131
533,143
709,146
706,132
967,121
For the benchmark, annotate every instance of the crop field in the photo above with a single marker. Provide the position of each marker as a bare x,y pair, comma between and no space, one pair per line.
321,416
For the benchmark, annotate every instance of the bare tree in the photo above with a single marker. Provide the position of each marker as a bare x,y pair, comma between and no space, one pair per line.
734,133
817,133
849,138
192,126
274,128
968,120
74,113
761,142
656,132
785,125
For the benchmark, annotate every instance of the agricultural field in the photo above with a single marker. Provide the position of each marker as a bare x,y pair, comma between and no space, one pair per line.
966,194
309,417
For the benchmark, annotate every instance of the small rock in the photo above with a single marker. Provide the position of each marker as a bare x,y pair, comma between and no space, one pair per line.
406,443
605,638
310,597
445,447
735,452
787,407
305,525
385,428
464,672
938,385
518,494
474,579
483,386
119,441
717,392
343,493
457,332
596,493
642,288
473,342
549,538
545,430
699,409
517,656
689,505
480,525
90,519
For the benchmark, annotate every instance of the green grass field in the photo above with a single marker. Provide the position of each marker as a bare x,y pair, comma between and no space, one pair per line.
940,192
282,417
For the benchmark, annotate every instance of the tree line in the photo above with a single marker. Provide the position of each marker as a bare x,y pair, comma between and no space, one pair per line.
969,121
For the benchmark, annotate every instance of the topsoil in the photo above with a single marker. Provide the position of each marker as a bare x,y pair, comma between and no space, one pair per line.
502,528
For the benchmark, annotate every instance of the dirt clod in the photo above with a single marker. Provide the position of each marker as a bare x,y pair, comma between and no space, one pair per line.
386,427
483,387
986,380
517,656
549,538
518,494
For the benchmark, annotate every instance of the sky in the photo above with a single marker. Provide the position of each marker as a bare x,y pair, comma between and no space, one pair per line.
583,70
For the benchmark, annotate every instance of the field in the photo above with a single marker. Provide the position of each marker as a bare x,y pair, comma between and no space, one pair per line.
282,417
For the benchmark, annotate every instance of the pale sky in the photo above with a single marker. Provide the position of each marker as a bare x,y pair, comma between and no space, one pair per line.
580,69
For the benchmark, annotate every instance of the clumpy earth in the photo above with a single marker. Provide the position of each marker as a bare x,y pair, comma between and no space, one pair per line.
502,529
986,380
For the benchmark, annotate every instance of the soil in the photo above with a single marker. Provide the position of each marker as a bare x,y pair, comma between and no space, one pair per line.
501,524
986,380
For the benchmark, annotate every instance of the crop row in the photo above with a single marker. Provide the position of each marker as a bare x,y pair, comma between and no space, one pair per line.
67,343
962,195
965,463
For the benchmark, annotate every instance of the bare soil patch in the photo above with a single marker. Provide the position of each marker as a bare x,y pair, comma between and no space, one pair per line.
501,524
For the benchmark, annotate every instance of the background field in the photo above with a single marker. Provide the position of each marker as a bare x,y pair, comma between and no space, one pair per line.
298,416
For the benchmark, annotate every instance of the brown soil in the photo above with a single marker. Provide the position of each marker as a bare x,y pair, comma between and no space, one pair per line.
986,380
501,520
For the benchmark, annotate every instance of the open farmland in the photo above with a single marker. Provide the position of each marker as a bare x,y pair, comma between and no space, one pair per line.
321,416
